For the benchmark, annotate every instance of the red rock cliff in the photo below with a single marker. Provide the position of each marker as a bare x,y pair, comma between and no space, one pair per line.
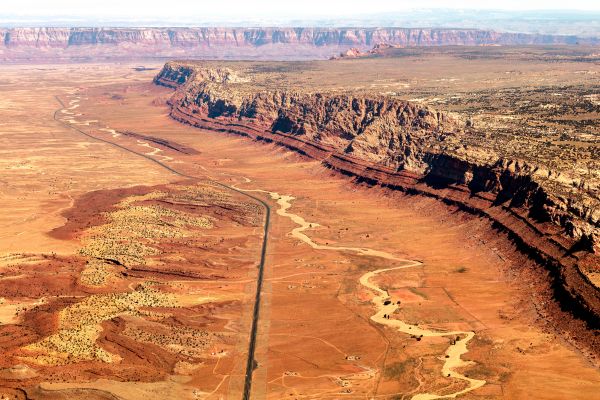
408,147
237,42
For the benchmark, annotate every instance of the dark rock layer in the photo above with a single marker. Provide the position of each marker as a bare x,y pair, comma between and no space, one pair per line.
399,145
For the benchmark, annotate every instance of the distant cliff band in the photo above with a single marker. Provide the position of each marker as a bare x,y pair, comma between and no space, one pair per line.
66,37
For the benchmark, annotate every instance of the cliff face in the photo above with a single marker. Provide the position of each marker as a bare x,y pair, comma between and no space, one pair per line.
379,129
394,134
154,42
404,146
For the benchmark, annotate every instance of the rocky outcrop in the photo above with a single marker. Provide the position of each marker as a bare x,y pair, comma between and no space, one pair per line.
403,146
394,134
236,42
378,50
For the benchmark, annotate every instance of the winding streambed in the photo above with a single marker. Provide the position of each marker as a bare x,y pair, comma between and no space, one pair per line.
459,339
70,118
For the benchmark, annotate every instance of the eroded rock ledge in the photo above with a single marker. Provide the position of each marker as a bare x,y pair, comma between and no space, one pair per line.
553,216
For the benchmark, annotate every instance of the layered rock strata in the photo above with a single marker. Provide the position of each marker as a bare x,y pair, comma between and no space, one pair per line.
57,43
403,146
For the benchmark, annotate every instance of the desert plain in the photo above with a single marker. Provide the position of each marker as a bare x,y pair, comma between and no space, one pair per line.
131,247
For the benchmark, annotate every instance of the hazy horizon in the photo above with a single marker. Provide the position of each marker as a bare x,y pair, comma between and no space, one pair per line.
547,21
581,19
277,13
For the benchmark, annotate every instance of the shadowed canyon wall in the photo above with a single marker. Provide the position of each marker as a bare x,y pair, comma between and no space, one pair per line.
403,146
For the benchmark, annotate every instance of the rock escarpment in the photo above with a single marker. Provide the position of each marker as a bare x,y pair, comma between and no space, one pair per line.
296,43
394,134
66,37
552,216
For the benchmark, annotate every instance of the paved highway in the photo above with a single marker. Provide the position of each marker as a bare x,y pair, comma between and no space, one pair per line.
251,363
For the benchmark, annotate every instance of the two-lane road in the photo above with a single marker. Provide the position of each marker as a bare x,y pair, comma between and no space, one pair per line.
251,363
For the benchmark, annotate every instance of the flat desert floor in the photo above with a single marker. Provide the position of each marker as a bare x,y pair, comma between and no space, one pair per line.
123,277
